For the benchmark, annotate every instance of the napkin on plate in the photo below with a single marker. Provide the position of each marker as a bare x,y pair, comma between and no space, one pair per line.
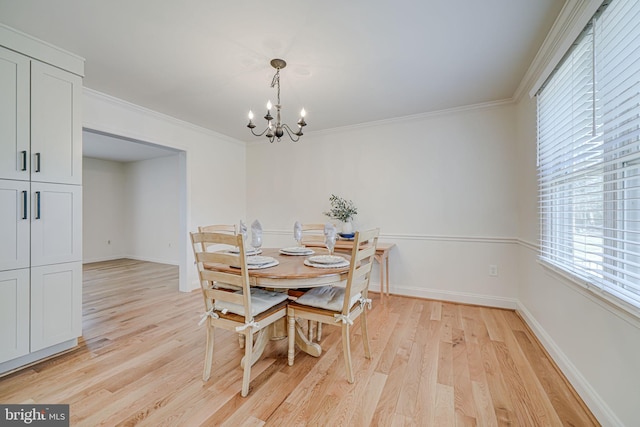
297,232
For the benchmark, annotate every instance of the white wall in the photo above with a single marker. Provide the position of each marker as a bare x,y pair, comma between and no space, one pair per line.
131,210
211,171
152,209
595,344
103,204
439,186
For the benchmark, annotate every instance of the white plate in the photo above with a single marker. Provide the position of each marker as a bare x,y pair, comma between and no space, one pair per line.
247,252
297,250
327,259
260,266
337,265
259,260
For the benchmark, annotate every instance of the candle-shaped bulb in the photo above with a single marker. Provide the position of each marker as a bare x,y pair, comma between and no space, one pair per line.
269,105
250,115
303,113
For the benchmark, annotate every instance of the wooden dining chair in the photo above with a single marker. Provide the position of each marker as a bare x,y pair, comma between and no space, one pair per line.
340,304
313,233
219,228
247,311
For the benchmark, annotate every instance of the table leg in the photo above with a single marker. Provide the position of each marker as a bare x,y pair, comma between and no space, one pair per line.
387,273
381,264
311,348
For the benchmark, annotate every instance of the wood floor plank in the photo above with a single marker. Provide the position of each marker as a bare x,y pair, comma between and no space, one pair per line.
141,357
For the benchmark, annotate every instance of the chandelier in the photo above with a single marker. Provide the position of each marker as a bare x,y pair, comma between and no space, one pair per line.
276,130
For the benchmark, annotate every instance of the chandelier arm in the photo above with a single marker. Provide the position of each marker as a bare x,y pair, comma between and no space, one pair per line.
259,134
290,132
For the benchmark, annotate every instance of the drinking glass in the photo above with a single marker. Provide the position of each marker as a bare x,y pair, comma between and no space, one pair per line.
297,233
330,241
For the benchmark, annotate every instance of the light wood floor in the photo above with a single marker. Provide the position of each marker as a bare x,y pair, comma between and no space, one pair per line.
434,364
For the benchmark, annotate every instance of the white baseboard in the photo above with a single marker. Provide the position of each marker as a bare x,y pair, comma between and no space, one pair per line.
600,409
102,259
461,297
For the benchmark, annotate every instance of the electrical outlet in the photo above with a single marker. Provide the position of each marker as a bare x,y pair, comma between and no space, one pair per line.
493,270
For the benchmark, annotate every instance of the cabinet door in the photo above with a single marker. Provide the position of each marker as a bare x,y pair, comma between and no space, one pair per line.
14,224
14,115
56,223
56,127
14,314
56,304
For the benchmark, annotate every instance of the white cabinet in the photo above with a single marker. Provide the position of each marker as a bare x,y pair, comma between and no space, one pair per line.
40,121
56,127
56,304
40,199
40,224
56,223
14,115
14,314
14,224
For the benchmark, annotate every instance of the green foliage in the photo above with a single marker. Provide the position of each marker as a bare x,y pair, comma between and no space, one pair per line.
341,209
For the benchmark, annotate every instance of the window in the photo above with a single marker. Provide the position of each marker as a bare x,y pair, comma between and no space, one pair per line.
589,156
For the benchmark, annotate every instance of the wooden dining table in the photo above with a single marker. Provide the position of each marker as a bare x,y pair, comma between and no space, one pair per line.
290,273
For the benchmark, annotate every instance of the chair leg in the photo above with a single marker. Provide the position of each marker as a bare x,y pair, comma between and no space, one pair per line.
319,333
346,349
208,354
365,334
241,340
248,349
292,337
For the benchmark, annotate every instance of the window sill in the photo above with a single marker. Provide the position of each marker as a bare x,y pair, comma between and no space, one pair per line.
616,306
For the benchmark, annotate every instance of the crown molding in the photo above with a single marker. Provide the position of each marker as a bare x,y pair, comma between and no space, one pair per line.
573,17
42,51
411,118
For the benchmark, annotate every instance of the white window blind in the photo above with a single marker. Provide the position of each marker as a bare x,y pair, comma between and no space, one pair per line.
589,156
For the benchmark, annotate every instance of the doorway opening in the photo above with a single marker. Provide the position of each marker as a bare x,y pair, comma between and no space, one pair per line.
134,201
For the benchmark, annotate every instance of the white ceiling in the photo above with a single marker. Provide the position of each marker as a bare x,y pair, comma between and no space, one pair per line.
349,62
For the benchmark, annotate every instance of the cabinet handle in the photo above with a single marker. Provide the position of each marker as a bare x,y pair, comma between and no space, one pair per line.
37,205
24,204
37,162
24,160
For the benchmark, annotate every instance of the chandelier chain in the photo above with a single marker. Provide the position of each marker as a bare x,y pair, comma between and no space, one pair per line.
276,82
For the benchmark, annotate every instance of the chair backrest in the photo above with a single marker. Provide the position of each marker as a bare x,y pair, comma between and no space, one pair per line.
362,257
218,228
214,296
312,233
